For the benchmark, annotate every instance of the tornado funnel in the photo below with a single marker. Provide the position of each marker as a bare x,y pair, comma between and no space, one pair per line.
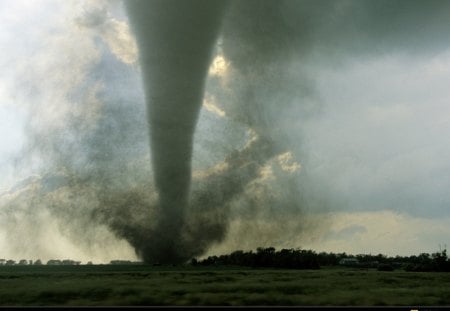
175,41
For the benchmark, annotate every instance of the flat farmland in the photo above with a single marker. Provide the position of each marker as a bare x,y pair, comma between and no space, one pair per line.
134,285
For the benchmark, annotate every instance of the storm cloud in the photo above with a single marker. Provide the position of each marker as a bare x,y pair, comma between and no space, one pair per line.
311,108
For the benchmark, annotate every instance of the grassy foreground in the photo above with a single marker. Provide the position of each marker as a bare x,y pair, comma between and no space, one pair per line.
146,285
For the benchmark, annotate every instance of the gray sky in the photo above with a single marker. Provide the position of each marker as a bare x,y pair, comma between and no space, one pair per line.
372,136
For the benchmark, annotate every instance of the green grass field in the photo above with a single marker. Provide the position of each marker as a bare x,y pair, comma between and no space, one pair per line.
106,285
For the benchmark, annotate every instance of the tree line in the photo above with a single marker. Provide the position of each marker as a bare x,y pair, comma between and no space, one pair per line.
58,262
294,259
308,259
38,262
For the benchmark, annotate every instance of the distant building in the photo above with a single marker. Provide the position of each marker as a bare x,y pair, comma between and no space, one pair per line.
10,263
65,262
69,262
54,262
349,262
23,262
2,262
125,262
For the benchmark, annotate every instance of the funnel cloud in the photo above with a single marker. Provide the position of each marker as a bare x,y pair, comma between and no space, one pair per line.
175,41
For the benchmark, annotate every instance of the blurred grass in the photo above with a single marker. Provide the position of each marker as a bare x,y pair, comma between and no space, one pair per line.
103,285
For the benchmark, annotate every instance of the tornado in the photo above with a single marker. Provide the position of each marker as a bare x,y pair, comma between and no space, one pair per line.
175,40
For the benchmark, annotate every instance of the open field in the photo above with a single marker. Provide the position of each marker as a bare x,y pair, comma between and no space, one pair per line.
102,285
